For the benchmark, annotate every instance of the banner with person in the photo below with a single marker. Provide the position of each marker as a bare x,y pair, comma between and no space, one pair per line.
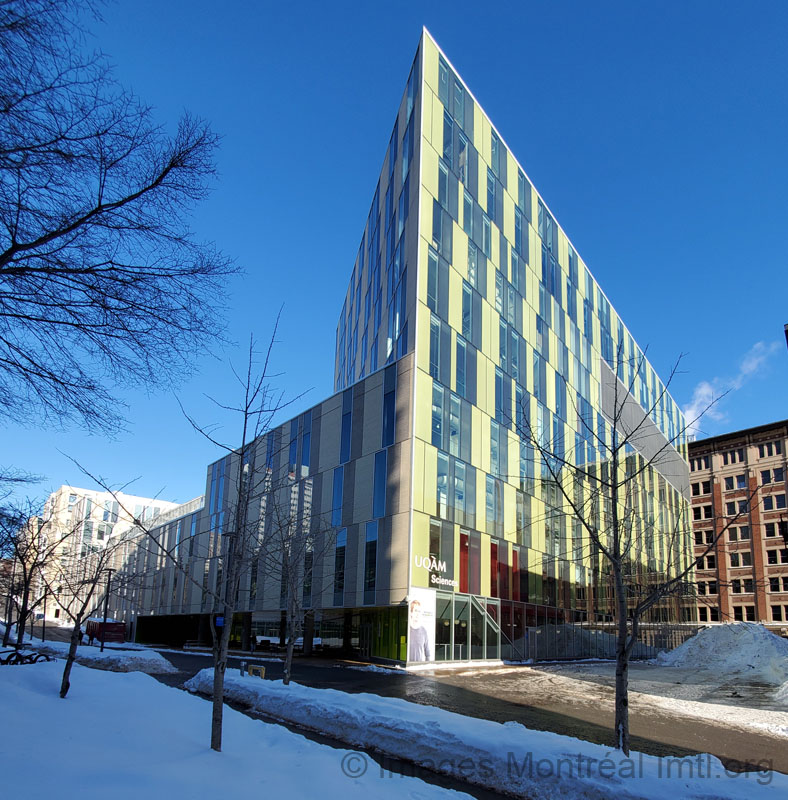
421,625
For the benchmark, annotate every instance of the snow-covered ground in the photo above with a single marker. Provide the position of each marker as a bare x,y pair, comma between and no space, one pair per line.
506,757
128,736
116,660
138,659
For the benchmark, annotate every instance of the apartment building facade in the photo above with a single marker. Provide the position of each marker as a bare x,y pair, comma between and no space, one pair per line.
469,318
738,487
83,521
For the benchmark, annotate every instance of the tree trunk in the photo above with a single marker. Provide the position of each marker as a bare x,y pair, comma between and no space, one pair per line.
76,636
220,647
622,665
20,623
291,629
8,624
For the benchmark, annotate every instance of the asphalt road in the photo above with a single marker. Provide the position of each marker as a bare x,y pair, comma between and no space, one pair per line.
493,695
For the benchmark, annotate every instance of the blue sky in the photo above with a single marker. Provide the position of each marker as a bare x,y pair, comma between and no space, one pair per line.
655,132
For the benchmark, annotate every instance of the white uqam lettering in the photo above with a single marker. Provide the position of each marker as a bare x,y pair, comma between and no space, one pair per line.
430,562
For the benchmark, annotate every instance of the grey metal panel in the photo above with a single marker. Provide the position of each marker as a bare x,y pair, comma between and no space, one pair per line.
619,405
476,319
372,431
454,188
443,288
364,483
403,427
446,355
471,374
468,123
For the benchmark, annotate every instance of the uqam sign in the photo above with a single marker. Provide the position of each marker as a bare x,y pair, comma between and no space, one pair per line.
434,567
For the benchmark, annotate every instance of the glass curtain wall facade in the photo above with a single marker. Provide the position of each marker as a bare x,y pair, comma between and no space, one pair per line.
470,326
514,340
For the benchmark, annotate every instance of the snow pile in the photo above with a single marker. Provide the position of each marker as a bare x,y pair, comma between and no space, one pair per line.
743,649
781,695
115,660
128,737
505,757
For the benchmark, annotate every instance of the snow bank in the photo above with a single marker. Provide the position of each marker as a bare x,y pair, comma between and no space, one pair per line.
781,695
743,649
115,660
505,757
128,737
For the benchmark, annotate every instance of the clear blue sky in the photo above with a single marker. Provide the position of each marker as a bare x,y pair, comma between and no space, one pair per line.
657,133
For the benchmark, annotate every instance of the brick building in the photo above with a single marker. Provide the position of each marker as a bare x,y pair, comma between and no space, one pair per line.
738,480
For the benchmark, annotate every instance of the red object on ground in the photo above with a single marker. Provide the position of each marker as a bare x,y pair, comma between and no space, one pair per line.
116,631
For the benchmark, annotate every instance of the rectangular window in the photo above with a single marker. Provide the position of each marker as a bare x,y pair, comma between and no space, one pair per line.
336,505
432,281
443,82
437,222
467,310
389,410
486,236
490,194
495,447
462,156
443,486
459,492
339,567
503,345
495,153
448,139
370,562
518,230
379,491
437,416
344,449
454,425
473,264
435,347
459,102
443,185
462,368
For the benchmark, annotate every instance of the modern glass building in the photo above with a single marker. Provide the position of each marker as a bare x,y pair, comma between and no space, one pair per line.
470,328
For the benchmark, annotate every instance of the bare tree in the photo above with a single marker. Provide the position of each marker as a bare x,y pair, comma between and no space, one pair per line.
77,585
101,281
246,469
32,544
645,553
294,539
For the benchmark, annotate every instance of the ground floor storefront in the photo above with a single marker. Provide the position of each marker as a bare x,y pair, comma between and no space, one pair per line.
431,626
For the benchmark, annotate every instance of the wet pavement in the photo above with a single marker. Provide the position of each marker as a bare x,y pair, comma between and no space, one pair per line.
499,695
485,697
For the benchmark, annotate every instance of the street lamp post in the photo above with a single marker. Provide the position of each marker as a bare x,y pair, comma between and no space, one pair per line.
106,605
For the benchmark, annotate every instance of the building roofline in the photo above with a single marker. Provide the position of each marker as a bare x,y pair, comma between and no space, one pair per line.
643,350
737,434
